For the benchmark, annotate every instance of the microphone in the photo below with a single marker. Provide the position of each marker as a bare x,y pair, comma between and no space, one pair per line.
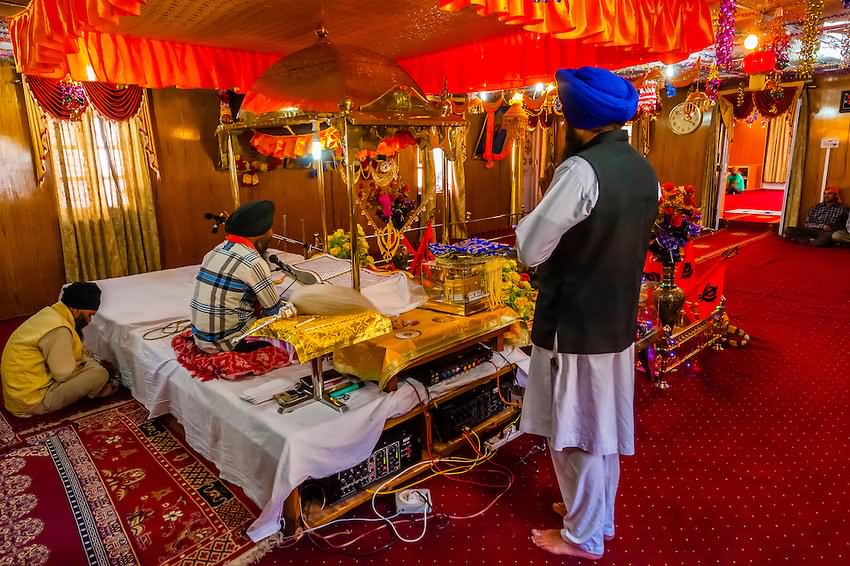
301,276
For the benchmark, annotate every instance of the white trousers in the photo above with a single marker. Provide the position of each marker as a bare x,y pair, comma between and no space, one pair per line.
588,487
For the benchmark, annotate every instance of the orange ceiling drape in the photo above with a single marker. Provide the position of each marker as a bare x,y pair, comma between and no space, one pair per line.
54,38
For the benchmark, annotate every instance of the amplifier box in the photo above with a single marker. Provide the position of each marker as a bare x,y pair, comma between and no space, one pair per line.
450,366
398,448
469,409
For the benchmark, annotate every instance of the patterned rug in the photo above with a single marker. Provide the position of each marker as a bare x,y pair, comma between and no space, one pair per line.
111,488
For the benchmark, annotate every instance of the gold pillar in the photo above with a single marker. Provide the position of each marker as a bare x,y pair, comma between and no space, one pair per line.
320,176
352,205
447,198
234,174
515,122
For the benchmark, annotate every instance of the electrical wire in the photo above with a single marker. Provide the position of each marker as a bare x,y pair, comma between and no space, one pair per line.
171,329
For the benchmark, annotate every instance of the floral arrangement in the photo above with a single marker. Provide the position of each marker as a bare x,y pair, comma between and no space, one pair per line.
517,291
678,221
391,203
339,245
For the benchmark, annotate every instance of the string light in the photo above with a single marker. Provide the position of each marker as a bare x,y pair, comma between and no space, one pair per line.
726,32
811,38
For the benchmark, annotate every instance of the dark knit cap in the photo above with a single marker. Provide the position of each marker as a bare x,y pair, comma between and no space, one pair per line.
82,295
251,219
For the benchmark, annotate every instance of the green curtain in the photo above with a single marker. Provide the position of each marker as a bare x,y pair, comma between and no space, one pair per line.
798,164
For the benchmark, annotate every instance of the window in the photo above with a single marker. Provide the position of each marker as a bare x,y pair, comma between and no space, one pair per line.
438,171
87,157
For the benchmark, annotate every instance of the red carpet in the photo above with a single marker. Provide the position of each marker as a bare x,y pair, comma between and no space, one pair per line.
744,464
112,488
758,199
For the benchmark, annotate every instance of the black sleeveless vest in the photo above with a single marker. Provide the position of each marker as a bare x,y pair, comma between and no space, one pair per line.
589,287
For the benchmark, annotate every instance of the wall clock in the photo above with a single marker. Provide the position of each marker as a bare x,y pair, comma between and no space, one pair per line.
685,118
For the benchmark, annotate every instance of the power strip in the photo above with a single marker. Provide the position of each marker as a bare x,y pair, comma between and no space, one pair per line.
503,438
413,502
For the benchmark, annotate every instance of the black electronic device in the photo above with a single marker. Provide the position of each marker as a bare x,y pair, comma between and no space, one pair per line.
398,448
470,409
450,366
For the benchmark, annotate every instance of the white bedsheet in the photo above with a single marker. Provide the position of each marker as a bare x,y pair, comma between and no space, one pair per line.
266,453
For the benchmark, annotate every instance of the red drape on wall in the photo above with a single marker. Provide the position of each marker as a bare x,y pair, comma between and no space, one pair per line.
762,101
112,102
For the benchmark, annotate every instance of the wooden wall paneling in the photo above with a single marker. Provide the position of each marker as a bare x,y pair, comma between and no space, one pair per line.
31,266
184,122
825,121
488,191
679,159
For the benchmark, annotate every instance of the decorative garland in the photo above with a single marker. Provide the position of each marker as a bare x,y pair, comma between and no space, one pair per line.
73,98
726,33
810,40
490,157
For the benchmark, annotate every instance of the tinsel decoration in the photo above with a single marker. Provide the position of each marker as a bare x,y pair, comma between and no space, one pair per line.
751,119
810,40
73,98
740,102
726,32
780,42
845,47
712,83
670,90
774,86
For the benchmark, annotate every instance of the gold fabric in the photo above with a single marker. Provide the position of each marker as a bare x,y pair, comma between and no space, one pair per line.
106,210
325,334
727,113
37,120
429,180
710,191
778,151
798,164
457,158
426,333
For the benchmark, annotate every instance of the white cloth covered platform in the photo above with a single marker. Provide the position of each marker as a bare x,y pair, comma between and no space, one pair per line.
265,453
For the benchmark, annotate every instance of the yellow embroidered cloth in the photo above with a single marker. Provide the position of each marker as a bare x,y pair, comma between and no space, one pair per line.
315,336
416,334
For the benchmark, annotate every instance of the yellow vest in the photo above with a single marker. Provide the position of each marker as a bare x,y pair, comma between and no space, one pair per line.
23,367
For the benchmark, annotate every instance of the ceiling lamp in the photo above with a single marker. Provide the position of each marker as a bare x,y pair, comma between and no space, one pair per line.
751,42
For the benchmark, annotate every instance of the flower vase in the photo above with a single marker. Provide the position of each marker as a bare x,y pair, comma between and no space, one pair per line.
669,298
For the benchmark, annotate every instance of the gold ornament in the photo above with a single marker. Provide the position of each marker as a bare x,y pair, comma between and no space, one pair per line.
740,101
810,40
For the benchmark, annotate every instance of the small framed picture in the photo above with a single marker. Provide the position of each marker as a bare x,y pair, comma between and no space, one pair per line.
845,102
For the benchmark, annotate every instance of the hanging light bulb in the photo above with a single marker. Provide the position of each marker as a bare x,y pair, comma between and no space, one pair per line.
538,88
751,42
670,71
516,98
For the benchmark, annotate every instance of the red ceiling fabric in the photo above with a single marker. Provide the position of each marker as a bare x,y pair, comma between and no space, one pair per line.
516,61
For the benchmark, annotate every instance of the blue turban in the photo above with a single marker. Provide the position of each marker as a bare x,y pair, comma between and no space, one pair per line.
593,98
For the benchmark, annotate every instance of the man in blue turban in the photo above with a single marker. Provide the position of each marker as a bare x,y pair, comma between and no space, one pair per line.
589,235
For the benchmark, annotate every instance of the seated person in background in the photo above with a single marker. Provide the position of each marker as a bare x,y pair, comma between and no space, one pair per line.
44,365
234,285
823,219
842,236
734,182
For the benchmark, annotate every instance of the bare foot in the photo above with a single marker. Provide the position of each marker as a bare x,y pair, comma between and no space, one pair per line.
551,540
560,509
109,389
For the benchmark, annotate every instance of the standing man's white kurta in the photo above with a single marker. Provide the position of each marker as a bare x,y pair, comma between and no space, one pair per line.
575,400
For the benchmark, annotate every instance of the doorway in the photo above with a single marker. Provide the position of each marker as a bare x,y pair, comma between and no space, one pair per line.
760,152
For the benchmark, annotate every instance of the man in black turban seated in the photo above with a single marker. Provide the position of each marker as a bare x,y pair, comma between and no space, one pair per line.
589,235
234,285
45,366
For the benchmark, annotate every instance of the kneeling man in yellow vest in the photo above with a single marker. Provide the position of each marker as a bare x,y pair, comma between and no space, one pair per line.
44,366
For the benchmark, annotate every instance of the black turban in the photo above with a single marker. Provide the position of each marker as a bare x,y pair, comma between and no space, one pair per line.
83,295
251,219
